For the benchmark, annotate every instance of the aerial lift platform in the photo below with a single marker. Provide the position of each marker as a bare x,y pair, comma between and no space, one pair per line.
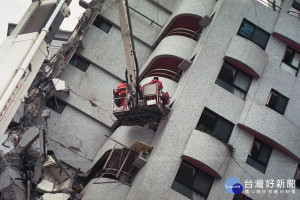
151,107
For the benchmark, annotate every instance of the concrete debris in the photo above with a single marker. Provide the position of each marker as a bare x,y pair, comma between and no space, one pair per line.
12,192
7,145
46,113
56,178
57,196
19,114
9,176
27,169
27,139
11,187
60,85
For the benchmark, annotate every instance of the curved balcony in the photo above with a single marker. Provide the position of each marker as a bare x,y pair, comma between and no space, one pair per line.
287,30
168,55
207,153
105,189
186,18
271,127
246,55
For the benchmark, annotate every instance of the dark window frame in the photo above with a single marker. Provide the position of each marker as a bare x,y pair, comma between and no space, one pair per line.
289,64
259,151
197,171
296,5
279,94
99,20
241,197
252,34
218,117
84,67
231,84
297,180
55,107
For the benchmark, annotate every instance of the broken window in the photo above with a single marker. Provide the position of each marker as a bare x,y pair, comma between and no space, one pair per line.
102,24
291,61
192,182
79,63
234,80
277,101
212,123
259,155
55,104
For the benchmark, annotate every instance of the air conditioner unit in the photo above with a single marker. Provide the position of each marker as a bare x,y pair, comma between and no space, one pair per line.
141,160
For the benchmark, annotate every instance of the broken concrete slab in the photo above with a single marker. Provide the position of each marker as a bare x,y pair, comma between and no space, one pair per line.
19,114
28,138
12,192
6,145
55,177
68,156
8,176
57,196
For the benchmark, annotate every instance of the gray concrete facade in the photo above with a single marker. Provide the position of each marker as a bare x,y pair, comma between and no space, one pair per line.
176,136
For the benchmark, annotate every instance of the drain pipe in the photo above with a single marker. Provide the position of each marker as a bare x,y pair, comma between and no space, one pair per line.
26,63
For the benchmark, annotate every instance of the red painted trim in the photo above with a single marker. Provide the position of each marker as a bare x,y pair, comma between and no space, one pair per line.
269,141
287,41
163,62
242,66
185,21
201,166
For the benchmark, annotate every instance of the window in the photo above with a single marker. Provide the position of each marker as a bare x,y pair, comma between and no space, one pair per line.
259,156
291,61
297,176
240,197
210,122
102,24
55,104
254,34
192,182
234,80
79,63
277,101
295,9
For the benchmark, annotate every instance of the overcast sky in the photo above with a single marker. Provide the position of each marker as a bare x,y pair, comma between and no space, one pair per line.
11,11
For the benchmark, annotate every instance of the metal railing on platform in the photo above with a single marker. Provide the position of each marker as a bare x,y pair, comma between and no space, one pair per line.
184,32
274,5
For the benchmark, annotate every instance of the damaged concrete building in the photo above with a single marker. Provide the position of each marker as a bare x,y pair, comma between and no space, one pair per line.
230,68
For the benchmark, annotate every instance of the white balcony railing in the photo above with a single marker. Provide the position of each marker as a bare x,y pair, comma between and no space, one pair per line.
273,4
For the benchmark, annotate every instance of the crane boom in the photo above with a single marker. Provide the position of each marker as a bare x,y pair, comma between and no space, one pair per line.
30,46
128,44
